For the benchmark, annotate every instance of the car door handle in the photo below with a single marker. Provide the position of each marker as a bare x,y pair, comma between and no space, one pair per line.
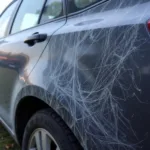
35,38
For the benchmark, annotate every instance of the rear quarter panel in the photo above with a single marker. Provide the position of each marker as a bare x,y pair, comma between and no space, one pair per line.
97,68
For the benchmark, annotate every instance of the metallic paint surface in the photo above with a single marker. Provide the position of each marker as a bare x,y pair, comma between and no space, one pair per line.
94,72
17,60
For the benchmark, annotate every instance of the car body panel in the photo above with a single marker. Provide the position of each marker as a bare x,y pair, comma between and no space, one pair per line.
96,69
17,59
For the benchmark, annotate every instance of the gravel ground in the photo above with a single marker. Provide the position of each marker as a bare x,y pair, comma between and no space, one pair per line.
6,142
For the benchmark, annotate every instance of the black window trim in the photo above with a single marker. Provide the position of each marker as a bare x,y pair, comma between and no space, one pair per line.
38,24
84,9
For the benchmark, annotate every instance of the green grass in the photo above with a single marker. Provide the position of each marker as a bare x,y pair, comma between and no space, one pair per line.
6,142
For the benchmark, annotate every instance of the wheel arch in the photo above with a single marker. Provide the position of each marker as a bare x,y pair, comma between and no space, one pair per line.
43,99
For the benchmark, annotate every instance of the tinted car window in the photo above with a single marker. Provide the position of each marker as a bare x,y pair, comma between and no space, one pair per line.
52,9
27,15
5,18
84,3
76,5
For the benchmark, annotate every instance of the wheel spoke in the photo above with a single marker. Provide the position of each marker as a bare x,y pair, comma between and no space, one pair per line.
38,141
42,140
46,142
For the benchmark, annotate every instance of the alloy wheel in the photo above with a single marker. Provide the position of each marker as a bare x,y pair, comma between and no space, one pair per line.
41,139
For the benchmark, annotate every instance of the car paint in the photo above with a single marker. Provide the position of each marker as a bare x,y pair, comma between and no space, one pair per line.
17,59
94,73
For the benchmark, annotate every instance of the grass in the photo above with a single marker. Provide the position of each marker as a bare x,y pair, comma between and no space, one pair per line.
6,142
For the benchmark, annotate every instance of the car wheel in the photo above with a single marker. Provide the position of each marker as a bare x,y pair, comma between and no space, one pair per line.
47,131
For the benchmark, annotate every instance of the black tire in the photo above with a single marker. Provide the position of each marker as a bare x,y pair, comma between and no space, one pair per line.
50,121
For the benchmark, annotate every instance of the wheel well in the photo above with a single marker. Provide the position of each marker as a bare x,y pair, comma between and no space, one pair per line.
25,109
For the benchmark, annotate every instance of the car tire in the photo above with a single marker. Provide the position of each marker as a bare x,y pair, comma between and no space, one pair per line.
48,120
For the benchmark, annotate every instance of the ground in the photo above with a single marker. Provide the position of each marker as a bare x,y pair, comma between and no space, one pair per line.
6,142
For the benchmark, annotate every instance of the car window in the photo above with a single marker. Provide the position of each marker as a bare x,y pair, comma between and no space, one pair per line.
5,18
84,3
76,5
53,9
28,15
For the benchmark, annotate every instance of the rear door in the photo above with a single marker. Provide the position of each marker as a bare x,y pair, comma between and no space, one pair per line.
33,24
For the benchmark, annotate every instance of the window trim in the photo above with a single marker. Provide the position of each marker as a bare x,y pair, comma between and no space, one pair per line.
38,24
84,9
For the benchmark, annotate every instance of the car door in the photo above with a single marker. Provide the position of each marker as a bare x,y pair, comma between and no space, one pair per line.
99,75
32,27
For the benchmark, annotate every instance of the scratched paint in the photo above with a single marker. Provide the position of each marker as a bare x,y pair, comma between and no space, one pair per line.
95,73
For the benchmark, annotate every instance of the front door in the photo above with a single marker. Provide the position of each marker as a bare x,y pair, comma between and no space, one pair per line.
21,49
